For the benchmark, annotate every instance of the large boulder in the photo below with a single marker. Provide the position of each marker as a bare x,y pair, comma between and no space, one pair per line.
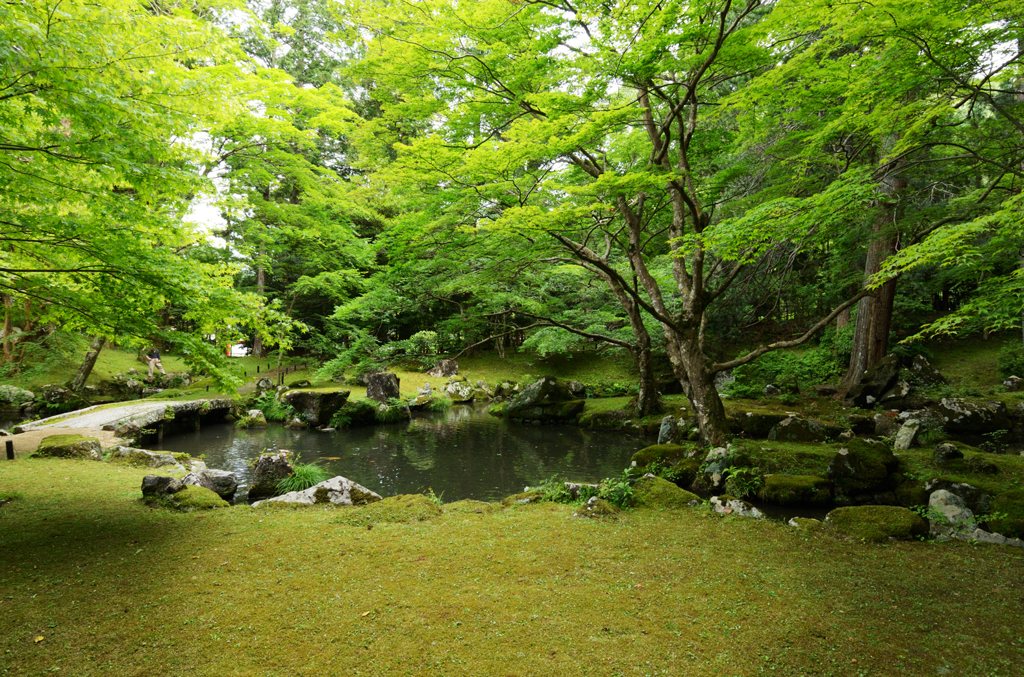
877,522
756,425
727,505
316,407
796,490
907,435
978,501
654,492
382,386
876,381
797,429
459,392
335,491
862,467
220,482
886,426
444,368
142,458
269,470
924,373
156,485
949,514
70,446
965,417
545,400
12,397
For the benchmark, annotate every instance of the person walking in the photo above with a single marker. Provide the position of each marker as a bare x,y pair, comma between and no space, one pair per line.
154,361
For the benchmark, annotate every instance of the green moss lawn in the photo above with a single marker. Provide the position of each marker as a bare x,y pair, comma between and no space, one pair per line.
92,582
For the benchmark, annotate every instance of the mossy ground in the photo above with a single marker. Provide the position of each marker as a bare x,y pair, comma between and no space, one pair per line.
114,587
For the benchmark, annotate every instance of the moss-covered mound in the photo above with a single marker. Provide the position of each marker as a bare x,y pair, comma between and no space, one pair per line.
597,508
70,446
1009,511
664,454
654,492
191,498
394,509
470,506
877,522
807,523
522,499
796,490
910,494
862,466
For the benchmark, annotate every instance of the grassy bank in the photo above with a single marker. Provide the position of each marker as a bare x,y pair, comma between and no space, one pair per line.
113,587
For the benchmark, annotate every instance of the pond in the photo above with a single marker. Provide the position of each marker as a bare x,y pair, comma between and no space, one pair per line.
463,453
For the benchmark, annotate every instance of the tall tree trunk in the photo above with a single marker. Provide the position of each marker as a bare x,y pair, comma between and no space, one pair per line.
258,350
692,369
874,314
78,381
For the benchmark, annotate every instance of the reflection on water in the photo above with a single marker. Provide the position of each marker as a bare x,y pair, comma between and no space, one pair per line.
463,453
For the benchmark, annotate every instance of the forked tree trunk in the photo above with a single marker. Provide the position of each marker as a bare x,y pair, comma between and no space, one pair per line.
78,380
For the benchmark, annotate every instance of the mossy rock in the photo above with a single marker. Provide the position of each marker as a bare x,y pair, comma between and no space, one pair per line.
796,490
70,446
597,508
1009,509
877,522
470,506
498,409
613,419
393,509
191,498
522,499
665,454
862,466
910,494
355,413
655,492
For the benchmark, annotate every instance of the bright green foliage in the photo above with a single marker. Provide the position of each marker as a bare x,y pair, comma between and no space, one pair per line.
99,101
304,476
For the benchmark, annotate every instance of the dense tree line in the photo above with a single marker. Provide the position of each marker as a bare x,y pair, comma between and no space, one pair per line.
697,183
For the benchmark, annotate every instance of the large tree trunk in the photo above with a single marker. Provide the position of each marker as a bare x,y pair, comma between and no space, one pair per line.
692,369
78,381
874,314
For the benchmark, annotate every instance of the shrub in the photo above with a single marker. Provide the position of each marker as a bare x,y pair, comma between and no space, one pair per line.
1011,361
273,409
304,476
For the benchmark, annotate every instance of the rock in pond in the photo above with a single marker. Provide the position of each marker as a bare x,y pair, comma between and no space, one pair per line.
796,490
142,458
654,492
545,400
14,397
459,392
597,508
70,446
335,491
877,522
270,469
382,386
316,407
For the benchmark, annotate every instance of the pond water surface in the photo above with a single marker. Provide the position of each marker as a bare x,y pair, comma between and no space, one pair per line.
463,453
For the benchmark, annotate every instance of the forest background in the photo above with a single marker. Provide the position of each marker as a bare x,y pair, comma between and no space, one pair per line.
701,186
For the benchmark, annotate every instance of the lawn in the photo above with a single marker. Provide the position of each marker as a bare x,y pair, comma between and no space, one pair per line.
92,582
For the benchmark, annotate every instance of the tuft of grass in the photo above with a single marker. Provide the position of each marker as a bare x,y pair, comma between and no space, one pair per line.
304,476
439,405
